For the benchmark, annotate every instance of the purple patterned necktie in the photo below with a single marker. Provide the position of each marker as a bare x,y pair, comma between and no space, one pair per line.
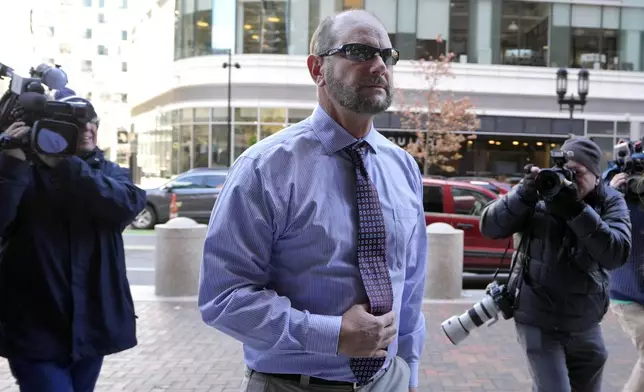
372,241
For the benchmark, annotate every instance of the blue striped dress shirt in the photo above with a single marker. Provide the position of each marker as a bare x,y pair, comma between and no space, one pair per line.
280,260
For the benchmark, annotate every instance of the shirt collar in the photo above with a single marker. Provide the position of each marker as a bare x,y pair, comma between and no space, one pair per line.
335,138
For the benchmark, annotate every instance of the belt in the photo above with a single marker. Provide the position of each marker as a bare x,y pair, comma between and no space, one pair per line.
308,380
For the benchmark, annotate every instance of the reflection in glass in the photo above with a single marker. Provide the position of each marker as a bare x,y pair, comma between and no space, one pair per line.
600,128
459,27
267,130
297,115
175,150
202,115
623,128
524,33
219,149
246,114
272,115
201,146
264,24
185,147
203,29
631,39
245,136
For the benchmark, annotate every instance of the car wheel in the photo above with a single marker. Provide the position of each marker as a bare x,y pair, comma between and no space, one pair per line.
146,219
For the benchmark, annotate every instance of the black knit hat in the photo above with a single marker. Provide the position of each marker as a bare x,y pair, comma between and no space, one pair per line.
586,152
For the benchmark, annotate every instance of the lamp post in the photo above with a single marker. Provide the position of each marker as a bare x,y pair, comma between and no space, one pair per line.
571,100
231,139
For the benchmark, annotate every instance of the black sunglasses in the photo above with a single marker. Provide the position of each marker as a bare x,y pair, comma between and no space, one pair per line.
361,53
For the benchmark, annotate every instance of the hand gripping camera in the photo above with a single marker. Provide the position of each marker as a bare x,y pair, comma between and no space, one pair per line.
497,300
550,182
54,125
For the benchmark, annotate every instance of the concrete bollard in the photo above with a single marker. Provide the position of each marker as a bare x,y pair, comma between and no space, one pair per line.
444,262
179,248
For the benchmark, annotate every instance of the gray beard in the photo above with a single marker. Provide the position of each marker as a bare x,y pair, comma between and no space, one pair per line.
350,98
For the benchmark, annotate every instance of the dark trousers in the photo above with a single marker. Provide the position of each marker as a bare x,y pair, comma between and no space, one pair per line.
564,361
39,376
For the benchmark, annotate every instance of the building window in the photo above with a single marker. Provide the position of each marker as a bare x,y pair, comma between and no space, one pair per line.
101,3
124,67
88,3
459,29
264,27
124,4
87,34
101,18
102,50
86,66
50,31
124,35
524,33
123,98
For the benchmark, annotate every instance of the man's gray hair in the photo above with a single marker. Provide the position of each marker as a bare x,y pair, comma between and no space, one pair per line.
323,38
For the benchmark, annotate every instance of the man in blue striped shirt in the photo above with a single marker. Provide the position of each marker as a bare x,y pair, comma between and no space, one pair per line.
284,268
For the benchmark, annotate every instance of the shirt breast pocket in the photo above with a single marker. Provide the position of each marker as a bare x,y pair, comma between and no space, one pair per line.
405,220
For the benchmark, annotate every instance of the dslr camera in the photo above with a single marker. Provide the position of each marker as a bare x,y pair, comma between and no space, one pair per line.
497,300
549,182
629,159
54,125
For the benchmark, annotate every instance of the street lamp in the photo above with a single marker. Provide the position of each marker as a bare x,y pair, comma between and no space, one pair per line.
562,88
231,141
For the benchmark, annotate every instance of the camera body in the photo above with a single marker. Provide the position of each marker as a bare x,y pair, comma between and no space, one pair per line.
550,182
629,159
497,300
54,125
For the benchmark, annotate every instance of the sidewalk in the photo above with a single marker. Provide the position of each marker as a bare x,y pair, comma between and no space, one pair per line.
178,353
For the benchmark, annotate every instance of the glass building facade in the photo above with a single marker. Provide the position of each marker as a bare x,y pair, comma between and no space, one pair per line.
175,141
503,32
512,32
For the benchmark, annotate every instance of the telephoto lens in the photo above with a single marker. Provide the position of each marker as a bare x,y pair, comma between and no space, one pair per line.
457,328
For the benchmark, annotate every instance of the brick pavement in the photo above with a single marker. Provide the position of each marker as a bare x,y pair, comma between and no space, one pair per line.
177,353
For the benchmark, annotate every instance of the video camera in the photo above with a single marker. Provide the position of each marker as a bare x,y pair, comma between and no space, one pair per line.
629,159
549,182
497,300
54,125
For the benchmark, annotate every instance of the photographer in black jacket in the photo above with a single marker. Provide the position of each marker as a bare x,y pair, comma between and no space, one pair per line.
571,240
65,300
627,281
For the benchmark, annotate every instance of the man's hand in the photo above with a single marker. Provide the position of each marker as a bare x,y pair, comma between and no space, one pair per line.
528,188
619,181
364,335
17,130
413,390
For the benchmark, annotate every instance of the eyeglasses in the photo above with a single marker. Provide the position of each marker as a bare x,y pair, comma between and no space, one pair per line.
361,53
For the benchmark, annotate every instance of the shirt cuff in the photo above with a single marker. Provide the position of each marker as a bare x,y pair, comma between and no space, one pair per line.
413,374
323,334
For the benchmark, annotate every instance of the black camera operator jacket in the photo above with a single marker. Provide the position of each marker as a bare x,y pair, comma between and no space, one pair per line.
64,293
565,285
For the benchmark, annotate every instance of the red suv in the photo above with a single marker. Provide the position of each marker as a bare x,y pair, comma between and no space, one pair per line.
460,205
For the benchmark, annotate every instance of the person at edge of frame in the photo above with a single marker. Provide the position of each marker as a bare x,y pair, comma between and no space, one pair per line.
65,301
573,239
